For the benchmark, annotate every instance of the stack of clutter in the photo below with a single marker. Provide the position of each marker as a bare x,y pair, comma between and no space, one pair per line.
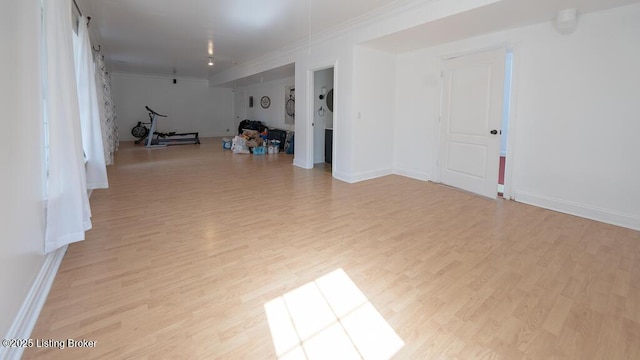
253,142
273,146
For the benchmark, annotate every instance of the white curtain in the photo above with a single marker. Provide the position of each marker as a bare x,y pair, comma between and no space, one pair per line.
89,110
68,212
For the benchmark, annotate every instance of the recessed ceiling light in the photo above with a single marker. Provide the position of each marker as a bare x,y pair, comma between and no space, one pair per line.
210,61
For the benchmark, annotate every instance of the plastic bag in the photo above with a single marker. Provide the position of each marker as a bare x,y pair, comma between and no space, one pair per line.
239,145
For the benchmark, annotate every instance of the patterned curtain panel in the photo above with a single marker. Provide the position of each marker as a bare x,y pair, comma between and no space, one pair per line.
109,121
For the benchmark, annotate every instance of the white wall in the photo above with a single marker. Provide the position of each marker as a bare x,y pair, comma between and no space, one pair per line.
240,105
417,108
374,108
339,55
506,103
21,183
190,104
574,139
322,79
336,48
575,127
274,115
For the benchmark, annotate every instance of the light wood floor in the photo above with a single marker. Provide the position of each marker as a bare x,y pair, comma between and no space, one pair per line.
190,242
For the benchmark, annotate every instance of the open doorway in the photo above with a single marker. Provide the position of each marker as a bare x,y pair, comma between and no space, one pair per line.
506,110
322,120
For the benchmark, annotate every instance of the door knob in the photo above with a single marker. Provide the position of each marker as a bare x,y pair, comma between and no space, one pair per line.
494,132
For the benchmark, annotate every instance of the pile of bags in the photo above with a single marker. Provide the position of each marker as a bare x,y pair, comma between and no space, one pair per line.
239,145
250,139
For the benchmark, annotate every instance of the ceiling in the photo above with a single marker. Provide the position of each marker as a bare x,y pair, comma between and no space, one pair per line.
175,37
498,16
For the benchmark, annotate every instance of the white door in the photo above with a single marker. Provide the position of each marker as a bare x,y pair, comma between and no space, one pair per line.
470,122
239,109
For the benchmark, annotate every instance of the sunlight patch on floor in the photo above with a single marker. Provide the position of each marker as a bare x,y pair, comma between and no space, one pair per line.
329,318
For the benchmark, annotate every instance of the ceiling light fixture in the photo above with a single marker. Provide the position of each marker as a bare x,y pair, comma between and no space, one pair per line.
210,61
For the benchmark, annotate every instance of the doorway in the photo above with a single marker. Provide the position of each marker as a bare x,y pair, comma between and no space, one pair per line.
323,117
472,108
506,113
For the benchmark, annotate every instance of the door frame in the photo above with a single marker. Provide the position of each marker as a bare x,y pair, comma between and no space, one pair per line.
309,136
509,185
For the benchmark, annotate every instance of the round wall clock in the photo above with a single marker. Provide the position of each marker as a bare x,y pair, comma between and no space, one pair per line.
265,102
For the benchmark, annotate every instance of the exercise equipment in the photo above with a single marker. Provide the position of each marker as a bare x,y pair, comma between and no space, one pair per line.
159,139
291,103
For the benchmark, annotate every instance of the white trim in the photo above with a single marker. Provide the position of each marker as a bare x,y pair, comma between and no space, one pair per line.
27,316
156,76
435,161
496,46
301,164
311,118
367,175
413,174
341,176
370,20
310,135
583,210
336,122
509,182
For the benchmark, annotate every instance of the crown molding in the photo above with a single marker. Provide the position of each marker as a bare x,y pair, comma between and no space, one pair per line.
289,51
392,10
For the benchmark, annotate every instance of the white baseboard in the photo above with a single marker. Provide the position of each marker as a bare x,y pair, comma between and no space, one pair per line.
357,177
301,164
586,211
27,316
414,174
342,176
